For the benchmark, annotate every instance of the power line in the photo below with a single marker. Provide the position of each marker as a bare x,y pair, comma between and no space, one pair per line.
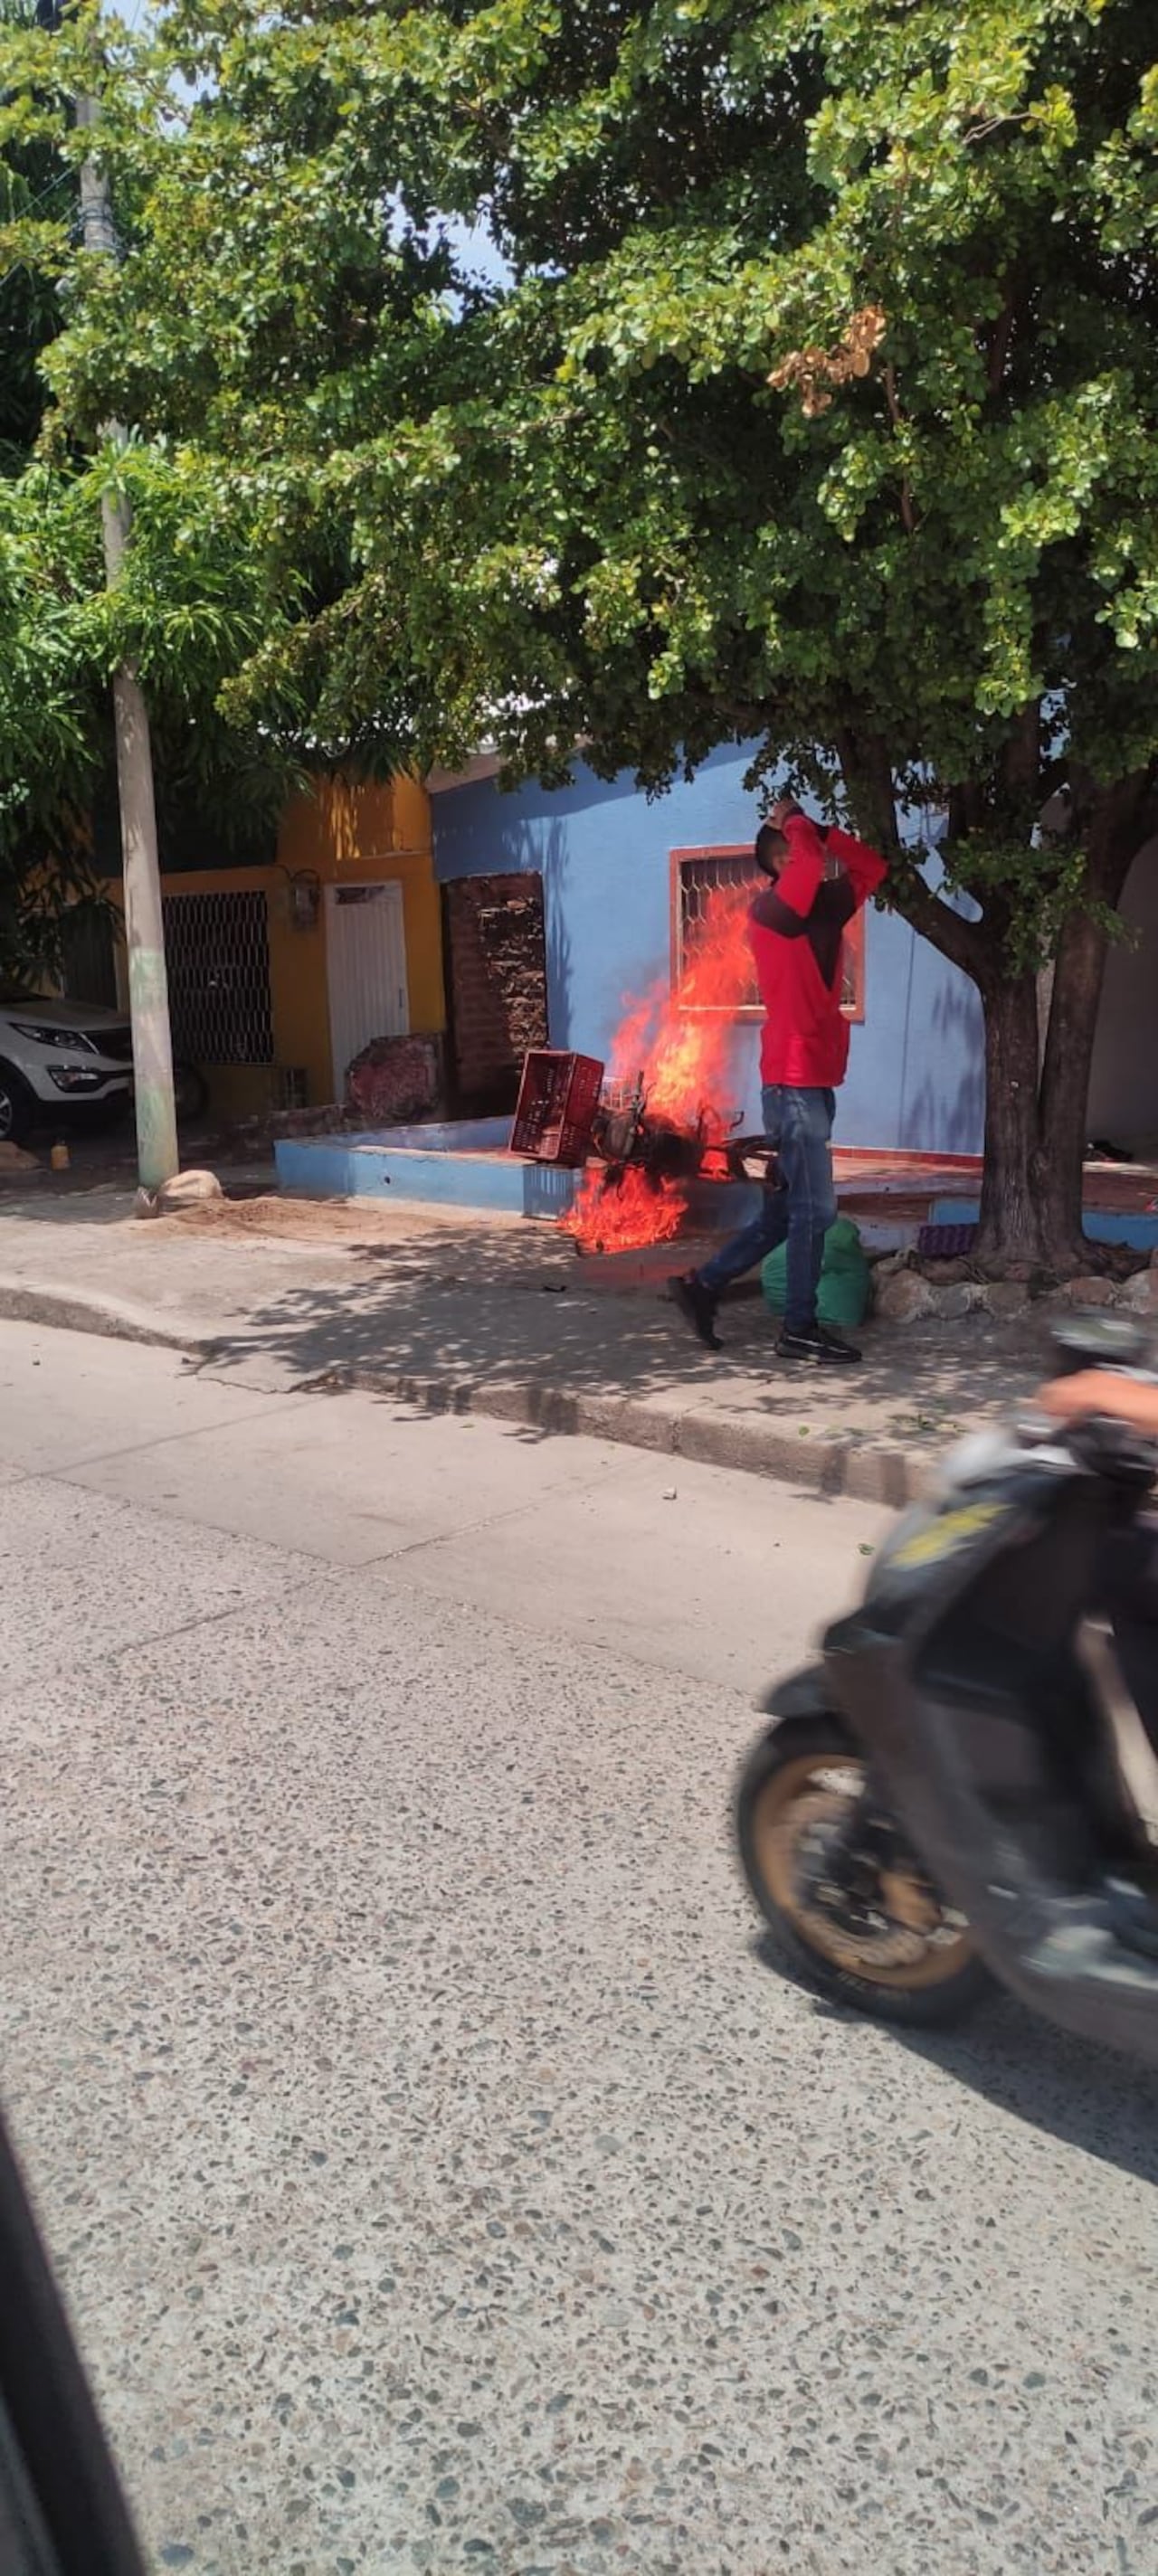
49,15
62,177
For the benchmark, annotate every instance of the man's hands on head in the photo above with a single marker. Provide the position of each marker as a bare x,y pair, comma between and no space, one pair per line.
780,809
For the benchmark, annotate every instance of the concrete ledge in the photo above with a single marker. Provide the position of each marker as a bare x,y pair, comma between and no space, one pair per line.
23,1302
1136,1227
871,1474
399,1164
329,1167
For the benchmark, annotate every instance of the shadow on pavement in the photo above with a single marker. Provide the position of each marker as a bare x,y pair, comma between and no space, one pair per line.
1091,2098
510,1312
70,1202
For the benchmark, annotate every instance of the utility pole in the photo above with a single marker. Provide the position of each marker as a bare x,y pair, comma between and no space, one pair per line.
157,1155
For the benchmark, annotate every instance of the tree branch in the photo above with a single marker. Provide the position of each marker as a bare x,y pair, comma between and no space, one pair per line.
999,345
988,125
1120,819
864,759
889,379
867,768
1021,758
962,942
966,803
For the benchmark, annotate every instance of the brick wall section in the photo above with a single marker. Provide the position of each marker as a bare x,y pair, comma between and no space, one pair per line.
396,1080
497,973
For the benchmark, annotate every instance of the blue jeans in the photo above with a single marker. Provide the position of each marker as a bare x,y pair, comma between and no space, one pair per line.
803,1208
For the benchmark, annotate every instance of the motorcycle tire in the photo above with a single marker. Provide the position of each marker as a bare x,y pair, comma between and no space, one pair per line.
781,1791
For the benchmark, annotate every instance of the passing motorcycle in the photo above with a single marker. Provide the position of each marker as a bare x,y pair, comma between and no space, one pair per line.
955,1795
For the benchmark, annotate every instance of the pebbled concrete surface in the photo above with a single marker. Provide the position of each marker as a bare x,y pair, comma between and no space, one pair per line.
439,2176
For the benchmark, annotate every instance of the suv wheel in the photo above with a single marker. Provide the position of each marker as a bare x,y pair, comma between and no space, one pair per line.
15,1107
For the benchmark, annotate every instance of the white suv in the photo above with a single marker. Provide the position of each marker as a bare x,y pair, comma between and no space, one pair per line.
60,1061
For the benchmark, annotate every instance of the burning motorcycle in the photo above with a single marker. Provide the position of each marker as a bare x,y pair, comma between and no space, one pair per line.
628,1136
642,1164
950,1798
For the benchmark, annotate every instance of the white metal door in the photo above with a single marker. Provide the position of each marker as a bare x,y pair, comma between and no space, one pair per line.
366,960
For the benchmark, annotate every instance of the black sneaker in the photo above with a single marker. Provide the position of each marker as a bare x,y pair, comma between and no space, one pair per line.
817,1348
698,1306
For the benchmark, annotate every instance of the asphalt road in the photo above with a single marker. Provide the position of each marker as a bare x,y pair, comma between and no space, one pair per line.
440,2177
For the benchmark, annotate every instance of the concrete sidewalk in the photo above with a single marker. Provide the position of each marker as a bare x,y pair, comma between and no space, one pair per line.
502,1318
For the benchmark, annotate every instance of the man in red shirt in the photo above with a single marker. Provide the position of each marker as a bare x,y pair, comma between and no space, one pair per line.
797,931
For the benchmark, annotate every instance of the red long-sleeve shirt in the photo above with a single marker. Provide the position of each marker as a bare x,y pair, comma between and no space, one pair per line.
797,931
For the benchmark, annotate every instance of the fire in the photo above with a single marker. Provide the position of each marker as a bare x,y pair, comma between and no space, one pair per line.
627,1215
680,1042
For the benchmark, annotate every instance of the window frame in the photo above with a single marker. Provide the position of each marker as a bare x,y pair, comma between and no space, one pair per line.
854,937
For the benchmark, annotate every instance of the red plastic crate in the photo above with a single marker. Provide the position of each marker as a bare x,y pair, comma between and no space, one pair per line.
558,1098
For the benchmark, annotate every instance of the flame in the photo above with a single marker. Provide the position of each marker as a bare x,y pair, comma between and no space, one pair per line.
680,1040
627,1215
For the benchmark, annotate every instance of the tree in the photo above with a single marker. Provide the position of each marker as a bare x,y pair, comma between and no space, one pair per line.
38,713
816,400
193,602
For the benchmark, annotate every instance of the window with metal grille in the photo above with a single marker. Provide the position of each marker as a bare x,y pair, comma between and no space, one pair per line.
217,952
696,875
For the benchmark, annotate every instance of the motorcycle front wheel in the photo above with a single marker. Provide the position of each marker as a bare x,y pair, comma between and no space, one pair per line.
868,1932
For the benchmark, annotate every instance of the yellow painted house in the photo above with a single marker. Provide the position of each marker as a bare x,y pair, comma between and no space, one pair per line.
280,974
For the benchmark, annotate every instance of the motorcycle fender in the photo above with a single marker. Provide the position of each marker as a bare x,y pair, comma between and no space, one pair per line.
806,1694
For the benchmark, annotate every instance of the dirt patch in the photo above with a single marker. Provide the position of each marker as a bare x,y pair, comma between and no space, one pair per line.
354,1225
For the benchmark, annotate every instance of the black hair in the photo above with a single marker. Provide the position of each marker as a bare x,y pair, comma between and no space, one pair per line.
770,849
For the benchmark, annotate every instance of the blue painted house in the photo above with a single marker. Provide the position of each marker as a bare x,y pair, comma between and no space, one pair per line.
561,908
601,879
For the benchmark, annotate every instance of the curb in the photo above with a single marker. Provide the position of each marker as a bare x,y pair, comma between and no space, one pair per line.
863,1472
22,1302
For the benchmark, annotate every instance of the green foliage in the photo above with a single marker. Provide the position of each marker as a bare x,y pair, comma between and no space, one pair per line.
815,397
194,600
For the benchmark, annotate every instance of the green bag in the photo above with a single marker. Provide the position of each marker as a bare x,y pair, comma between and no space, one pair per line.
843,1295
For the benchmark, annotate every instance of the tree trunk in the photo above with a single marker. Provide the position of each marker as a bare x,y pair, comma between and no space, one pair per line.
1035,1114
1012,1208
1037,1077
1065,1077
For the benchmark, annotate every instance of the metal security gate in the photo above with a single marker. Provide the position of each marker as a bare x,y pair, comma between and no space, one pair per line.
217,951
366,964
